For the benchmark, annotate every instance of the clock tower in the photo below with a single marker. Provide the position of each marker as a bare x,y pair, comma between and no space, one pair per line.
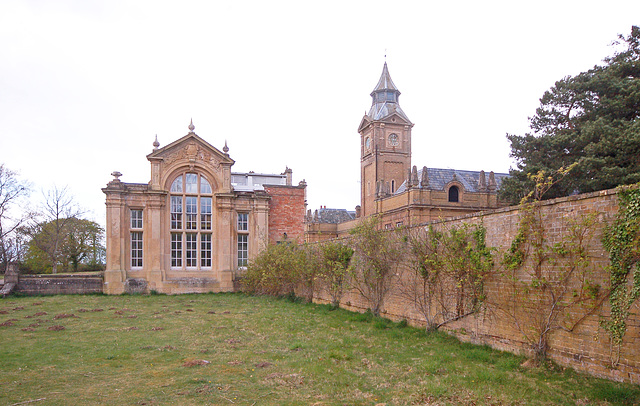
385,145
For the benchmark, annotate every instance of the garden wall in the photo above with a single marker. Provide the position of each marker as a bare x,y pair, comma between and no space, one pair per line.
586,347
59,284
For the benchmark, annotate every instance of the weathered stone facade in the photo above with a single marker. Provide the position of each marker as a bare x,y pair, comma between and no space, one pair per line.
195,225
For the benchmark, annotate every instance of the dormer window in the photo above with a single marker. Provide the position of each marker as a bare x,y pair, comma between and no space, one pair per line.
454,194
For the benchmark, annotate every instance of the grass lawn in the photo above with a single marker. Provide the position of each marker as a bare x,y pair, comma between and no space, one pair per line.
232,349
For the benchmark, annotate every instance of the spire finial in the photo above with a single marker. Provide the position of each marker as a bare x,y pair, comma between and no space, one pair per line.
156,144
191,126
225,149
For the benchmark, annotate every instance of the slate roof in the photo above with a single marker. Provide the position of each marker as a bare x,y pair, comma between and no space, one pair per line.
380,111
439,178
333,216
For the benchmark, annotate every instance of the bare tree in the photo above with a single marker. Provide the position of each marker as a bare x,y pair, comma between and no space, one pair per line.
49,231
377,254
422,283
12,191
446,270
334,267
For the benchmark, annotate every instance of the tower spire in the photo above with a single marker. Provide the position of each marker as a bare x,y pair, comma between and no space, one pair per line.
385,98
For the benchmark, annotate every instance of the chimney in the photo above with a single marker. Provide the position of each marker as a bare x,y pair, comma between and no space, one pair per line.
492,182
414,176
482,183
424,182
289,174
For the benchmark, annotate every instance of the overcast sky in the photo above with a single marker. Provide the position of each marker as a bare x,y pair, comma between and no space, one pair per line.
85,86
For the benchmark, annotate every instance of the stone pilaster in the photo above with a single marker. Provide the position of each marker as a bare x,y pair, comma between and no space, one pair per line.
155,237
115,274
225,232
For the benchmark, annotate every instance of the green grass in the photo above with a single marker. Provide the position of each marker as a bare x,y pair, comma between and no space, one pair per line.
139,350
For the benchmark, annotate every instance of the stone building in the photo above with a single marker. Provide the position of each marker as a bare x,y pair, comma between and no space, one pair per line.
195,225
394,190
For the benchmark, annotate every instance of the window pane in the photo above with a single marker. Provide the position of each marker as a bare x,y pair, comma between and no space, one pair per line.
176,250
243,249
176,212
192,250
205,187
136,218
136,249
205,250
205,213
191,183
243,221
191,205
176,186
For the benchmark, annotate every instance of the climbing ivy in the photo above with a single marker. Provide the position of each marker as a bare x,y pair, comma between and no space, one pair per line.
622,240
548,281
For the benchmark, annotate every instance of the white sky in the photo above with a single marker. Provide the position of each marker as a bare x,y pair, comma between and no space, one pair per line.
86,85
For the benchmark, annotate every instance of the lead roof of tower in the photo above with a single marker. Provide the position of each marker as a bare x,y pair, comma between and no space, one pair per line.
385,99
385,82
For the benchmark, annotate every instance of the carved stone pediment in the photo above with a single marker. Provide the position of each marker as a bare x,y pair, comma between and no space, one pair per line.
194,152
364,123
193,149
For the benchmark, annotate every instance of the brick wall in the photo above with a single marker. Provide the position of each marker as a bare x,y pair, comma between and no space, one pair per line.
287,209
586,347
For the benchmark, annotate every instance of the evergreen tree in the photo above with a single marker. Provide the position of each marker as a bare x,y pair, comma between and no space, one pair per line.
592,120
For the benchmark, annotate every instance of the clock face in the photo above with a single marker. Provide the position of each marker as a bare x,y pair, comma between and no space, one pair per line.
367,143
393,140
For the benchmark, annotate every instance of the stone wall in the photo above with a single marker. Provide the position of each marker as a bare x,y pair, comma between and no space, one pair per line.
587,347
59,284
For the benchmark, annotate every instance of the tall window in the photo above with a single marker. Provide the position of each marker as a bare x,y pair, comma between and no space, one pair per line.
205,250
191,222
136,238
176,250
243,239
136,249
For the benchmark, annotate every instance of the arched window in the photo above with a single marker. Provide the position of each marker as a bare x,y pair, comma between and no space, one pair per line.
454,193
191,204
